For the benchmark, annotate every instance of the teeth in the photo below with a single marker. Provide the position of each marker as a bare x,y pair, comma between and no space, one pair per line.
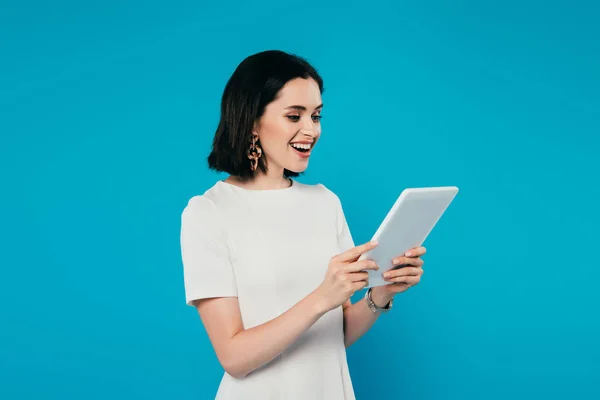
301,146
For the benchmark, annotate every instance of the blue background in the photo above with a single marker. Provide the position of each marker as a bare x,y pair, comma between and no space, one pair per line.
107,111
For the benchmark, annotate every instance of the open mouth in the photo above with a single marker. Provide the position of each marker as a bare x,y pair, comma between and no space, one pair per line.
302,147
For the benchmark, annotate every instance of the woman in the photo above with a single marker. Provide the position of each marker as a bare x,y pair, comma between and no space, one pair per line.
269,262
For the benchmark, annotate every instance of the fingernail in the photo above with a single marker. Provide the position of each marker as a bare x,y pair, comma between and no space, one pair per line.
408,253
374,242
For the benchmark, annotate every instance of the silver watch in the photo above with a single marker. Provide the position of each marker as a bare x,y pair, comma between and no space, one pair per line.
374,307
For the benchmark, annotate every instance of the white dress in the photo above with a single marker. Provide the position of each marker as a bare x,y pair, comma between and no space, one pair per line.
270,249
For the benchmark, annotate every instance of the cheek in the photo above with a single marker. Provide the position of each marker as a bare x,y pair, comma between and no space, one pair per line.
275,142
278,135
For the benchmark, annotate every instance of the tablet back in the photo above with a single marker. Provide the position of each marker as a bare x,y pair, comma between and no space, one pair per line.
407,225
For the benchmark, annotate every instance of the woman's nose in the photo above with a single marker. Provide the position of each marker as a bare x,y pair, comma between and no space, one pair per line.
310,125
310,132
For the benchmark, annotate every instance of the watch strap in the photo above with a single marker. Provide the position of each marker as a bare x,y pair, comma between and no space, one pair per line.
374,307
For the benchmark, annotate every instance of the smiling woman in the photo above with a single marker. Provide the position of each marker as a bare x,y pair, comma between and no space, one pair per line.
272,102
279,324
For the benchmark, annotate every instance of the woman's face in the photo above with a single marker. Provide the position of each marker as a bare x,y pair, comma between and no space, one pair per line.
290,126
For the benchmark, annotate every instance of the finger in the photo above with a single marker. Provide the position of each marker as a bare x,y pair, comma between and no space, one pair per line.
361,266
359,285
416,252
417,262
354,253
358,276
407,271
409,280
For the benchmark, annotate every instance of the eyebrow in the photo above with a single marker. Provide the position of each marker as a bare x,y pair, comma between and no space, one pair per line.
302,108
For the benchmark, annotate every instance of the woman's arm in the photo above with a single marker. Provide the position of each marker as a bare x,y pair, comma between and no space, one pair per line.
358,317
242,351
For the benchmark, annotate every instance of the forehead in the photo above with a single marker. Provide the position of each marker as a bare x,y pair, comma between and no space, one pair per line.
300,91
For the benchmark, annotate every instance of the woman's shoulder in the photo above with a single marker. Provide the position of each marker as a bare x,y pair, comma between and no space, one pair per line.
202,205
320,190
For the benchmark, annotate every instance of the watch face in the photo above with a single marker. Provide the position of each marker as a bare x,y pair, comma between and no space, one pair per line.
370,303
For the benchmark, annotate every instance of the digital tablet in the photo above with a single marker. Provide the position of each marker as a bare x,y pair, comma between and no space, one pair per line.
407,225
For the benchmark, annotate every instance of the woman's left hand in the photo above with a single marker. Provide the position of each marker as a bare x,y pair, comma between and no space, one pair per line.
407,276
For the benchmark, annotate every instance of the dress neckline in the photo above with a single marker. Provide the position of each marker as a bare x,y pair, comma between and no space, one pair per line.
246,190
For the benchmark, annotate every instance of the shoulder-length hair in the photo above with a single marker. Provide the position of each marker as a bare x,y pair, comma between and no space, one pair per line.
253,85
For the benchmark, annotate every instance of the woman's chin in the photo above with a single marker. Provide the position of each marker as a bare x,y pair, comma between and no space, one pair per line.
298,167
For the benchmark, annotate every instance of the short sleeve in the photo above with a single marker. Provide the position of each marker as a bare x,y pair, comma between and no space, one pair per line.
345,240
207,269
344,237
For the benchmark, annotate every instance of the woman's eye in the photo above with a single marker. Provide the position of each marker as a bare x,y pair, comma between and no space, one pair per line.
296,118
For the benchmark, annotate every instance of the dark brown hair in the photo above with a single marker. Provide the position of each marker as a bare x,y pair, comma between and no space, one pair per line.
253,85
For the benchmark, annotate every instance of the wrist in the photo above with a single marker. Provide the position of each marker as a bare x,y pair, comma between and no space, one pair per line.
318,304
380,296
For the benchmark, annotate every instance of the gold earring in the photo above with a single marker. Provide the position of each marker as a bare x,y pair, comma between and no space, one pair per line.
254,152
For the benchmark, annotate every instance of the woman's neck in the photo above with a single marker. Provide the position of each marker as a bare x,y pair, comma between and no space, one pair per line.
261,182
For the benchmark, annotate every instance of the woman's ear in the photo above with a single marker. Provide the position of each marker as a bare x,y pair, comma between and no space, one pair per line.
256,128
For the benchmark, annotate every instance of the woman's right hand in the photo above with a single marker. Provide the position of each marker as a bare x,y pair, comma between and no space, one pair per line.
344,276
